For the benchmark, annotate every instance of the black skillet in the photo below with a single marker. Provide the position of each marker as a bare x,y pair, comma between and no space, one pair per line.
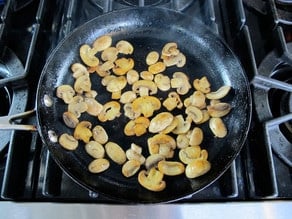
147,29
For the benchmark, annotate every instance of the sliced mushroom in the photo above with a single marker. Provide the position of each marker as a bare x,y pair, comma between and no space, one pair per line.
220,93
146,105
194,114
128,111
146,75
172,101
162,82
109,54
171,168
132,76
182,141
202,85
124,47
77,106
93,106
182,126
98,165
83,131
218,127
130,168
152,160
128,97
99,134
156,68
189,154
197,99
137,126
70,119
116,85
87,55
197,168
110,111
123,65
180,81
115,152
95,149
144,88
152,57
68,142
82,84
160,122
196,136
170,49
179,60
133,154
219,109
151,180
79,70
66,93
162,143
102,43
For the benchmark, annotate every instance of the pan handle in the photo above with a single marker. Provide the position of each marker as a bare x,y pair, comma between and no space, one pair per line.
6,122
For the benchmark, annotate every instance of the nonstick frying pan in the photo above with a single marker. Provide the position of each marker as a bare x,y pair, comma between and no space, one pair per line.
147,28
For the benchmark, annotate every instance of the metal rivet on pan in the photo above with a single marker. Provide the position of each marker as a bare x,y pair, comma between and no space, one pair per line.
52,136
48,100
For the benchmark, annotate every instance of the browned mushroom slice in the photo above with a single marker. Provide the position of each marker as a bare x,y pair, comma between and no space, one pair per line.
180,81
83,131
87,55
152,180
102,43
124,47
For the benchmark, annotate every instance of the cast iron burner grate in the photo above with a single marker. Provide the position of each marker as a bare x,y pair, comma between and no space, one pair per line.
273,103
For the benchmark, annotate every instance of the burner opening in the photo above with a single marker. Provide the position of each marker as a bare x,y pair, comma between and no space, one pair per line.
281,101
5,99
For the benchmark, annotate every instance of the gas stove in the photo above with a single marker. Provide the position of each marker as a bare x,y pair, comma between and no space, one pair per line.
259,33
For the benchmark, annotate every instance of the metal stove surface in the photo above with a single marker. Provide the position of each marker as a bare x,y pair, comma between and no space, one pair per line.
29,174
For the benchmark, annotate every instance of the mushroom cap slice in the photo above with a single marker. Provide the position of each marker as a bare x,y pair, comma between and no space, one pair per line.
144,87
66,93
102,43
181,82
124,47
160,122
116,84
68,142
87,55
146,105
83,132
99,134
151,180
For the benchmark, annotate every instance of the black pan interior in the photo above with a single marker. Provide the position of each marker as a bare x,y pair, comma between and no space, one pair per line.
147,29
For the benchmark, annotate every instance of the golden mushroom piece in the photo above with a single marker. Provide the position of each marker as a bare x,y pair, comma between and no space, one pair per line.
87,55
146,105
180,81
152,180
102,43
83,131
160,122
99,134
110,111
162,144
68,142
123,65
144,88
124,47
66,93
152,57
137,126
